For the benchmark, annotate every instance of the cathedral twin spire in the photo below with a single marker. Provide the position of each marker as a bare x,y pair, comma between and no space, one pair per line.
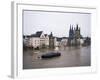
74,31
73,28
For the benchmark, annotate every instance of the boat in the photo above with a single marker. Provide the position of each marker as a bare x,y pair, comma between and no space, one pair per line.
51,55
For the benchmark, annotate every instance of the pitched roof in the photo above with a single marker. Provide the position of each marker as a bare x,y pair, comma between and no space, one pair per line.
45,35
34,35
59,39
64,37
26,36
38,33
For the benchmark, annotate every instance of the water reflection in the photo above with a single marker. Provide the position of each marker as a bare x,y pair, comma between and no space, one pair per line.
70,57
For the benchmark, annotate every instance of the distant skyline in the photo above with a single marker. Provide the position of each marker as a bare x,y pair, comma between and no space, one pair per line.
56,22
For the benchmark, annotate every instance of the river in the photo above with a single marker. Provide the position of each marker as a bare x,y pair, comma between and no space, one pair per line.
70,57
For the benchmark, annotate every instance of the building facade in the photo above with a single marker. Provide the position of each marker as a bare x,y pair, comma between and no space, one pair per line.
64,41
46,40
37,40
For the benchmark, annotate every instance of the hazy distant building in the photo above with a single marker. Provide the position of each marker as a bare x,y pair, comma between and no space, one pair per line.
27,41
60,41
64,41
87,41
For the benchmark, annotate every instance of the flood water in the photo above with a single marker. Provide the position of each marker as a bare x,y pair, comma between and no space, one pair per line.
70,57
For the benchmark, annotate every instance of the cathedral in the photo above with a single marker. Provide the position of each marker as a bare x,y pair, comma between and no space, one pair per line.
74,36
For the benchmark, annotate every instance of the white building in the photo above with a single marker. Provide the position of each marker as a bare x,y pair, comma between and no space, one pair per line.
42,38
46,40
57,42
64,41
37,40
82,41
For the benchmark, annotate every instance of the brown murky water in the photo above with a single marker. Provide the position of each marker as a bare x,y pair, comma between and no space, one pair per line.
70,57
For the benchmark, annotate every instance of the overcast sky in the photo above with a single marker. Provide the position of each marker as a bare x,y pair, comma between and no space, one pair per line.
56,22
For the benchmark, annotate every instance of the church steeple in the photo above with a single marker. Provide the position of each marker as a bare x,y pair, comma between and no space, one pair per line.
79,29
70,27
76,26
71,32
51,35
